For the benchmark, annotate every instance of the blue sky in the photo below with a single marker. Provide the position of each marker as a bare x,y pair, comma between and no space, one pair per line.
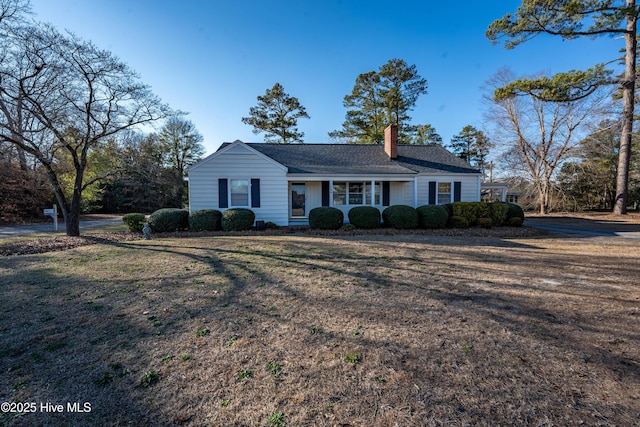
213,58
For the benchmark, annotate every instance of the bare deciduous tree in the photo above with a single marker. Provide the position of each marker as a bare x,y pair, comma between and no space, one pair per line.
62,95
182,142
538,136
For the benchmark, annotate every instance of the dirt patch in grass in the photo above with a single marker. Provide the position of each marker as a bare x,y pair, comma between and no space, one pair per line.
414,330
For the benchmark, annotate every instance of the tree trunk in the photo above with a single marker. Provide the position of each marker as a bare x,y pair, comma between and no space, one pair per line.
70,213
628,94
72,222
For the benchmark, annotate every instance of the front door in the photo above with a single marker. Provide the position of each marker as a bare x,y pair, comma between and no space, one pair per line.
298,199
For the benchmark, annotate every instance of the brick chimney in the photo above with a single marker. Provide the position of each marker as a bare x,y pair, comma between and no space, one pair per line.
391,141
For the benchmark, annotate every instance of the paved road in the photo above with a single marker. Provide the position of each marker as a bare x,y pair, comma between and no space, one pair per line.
630,231
19,230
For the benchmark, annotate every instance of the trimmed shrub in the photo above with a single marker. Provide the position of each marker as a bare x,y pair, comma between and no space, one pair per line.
135,222
449,208
498,212
326,218
237,219
467,210
348,227
271,226
485,222
169,219
459,222
400,216
484,210
364,217
515,221
514,211
205,220
432,216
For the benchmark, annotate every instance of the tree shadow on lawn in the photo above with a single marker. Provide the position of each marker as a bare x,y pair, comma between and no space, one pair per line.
434,338
460,241
549,328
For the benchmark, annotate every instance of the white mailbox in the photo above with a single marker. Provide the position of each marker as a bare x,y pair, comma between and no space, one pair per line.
53,213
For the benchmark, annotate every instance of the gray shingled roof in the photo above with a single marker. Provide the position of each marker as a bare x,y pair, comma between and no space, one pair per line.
353,159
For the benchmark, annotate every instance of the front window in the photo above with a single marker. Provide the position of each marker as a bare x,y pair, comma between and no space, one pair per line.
444,193
356,193
339,193
239,192
376,194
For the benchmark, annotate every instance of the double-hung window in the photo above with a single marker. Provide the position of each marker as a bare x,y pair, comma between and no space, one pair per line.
356,193
372,199
239,192
339,193
444,193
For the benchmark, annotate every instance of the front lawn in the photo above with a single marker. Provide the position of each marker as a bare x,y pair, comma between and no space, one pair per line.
319,330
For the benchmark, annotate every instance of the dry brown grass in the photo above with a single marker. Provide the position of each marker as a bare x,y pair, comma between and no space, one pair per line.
448,330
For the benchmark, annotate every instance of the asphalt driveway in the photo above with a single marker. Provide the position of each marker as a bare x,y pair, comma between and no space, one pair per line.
598,226
19,230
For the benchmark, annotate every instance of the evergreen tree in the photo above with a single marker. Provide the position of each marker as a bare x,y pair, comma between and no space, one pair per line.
426,135
471,145
379,99
365,121
277,115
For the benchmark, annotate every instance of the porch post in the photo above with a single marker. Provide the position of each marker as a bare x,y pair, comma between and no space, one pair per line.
331,192
372,193
415,191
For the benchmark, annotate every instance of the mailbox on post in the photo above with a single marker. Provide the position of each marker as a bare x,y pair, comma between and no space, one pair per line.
53,213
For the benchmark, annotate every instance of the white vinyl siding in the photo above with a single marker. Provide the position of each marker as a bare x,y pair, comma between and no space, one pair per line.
401,193
469,187
237,164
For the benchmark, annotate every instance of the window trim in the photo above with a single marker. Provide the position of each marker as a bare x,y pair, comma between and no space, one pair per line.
230,186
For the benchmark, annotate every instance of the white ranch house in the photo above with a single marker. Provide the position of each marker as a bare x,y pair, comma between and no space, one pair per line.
281,183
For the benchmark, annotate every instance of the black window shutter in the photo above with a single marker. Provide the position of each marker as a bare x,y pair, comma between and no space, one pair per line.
223,193
255,193
325,193
457,189
432,192
385,193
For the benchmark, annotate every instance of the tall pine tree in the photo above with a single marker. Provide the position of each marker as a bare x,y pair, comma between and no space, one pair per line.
379,99
277,115
471,145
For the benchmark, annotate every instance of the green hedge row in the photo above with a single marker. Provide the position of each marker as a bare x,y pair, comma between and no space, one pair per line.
456,215
173,219
483,214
